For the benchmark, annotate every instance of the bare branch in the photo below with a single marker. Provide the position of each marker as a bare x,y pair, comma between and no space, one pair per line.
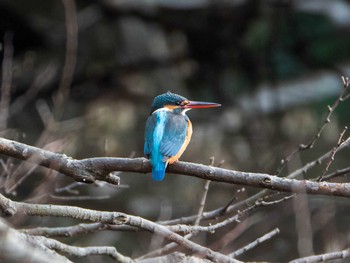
323,257
10,207
331,159
16,247
89,170
202,203
336,173
81,251
255,243
204,197
76,230
79,198
70,58
70,231
343,96
6,80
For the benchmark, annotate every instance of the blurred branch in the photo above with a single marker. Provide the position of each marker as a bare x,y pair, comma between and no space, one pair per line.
16,248
6,80
337,173
324,257
89,170
255,243
71,56
11,208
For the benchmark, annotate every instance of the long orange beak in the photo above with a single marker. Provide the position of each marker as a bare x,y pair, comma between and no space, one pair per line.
201,105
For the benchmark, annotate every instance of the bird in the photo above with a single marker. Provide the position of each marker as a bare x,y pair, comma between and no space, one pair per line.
169,130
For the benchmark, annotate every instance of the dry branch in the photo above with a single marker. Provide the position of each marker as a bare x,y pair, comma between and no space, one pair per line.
324,257
89,170
9,208
255,243
15,247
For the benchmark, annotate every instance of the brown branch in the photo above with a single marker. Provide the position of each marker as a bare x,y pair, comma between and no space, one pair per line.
10,207
89,170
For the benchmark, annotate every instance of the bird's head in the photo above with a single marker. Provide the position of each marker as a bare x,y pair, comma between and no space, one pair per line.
176,102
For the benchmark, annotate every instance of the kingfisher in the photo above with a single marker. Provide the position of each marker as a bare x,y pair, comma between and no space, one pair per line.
169,130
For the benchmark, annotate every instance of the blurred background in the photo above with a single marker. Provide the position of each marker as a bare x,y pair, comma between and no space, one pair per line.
273,65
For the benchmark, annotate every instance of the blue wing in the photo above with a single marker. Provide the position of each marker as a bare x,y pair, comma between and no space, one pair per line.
150,125
164,136
174,135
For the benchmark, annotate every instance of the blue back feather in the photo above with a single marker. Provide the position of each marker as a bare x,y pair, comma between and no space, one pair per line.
164,137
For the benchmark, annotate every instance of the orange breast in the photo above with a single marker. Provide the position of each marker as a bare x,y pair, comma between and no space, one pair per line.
173,159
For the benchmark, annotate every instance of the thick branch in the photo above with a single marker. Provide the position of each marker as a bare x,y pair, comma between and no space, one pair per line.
89,170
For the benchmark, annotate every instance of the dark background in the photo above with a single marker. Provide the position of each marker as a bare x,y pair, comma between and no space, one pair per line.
273,65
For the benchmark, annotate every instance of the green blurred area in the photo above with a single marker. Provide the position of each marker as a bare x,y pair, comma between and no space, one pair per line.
273,65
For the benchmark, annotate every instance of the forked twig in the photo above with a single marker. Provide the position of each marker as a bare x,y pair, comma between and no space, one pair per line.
344,96
334,151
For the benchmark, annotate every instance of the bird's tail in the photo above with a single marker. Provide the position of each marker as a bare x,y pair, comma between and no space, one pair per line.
158,171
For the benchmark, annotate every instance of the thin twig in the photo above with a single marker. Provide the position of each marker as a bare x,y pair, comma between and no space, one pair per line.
234,198
343,96
69,188
165,249
331,159
21,179
44,77
81,251
324,257
255,243
204,197
70,58
202,203
336,173
79,198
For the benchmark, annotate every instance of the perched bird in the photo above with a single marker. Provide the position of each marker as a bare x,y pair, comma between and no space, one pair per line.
169,130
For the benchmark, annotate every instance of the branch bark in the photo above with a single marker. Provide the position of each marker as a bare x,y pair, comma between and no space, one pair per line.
89,170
